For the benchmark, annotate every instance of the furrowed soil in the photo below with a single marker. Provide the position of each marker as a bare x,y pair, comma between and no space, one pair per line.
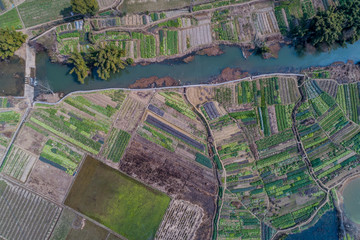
178,177
117,201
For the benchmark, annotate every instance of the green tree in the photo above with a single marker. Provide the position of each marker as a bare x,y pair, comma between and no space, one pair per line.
10,41
327,27
108,60
85,7
351,11
79,66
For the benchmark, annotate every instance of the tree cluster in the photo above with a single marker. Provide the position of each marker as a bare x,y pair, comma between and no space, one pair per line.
106,60
85,7
10,41
337,25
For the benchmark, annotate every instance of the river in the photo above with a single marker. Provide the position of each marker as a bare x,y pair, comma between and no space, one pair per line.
200,70
351,195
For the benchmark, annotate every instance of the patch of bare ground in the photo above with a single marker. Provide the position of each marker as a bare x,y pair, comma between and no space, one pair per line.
272,119
50,98
199,95
154,81
229,74
30,140
211,51
342,72
180,221
274,49
176,176
189,59
49,181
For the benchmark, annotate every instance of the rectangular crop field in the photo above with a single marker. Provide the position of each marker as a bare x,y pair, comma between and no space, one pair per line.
24,215
34,12
116,144
119,202
18,163
10,20
60,156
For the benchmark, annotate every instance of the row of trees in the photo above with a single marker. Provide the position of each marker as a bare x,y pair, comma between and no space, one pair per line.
85,7
337,25
10,41
106,60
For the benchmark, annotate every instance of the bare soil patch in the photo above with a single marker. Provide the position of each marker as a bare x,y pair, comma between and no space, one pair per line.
154,81
49,181
30,140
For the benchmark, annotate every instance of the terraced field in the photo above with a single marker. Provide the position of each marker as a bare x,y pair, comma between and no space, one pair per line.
24,215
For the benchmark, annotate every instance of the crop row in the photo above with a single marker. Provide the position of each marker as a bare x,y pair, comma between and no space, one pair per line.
232,149
275,139
223,95
246,91
211,110
56,125
107,111
175,101
166,128
10,19
283,116
156,137
18,163
263,118
348,99
203,160
62,155
25,215
9,117
147,44
4,103
116,144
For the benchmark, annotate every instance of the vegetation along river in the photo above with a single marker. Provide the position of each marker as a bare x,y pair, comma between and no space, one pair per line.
200,70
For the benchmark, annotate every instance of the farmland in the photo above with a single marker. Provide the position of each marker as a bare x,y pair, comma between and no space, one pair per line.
245,156
60,156
39,215
18,163
10,19
35,12
117,143
117,200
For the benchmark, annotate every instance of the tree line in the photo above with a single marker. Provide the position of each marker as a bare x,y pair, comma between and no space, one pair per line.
336,25
10,41
106,60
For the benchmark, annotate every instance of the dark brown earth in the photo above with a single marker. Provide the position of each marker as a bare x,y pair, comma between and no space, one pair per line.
211,51
229,74
154,81
177,177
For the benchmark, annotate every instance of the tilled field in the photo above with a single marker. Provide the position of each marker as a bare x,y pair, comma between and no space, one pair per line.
23,215
180,221
179,178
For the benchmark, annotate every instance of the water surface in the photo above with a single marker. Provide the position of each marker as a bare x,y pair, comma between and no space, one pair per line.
327,228
12,73
200,70
351,197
